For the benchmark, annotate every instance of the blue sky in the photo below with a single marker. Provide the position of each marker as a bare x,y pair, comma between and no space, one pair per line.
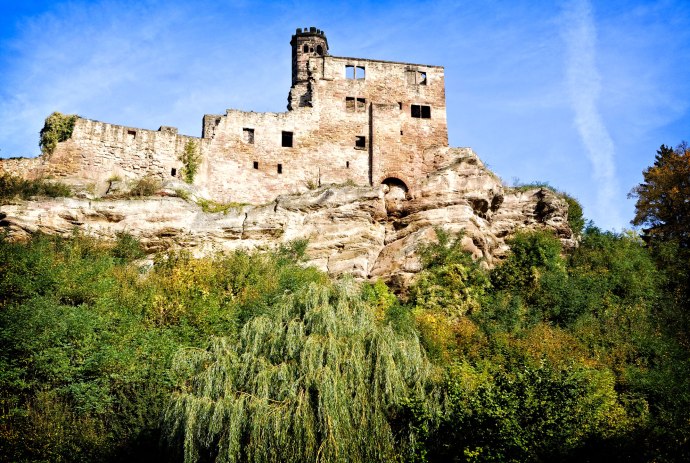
576,93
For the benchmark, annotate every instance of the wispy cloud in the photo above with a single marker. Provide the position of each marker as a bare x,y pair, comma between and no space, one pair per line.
584,87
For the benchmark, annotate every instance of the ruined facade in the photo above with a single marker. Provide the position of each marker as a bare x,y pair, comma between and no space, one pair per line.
354,120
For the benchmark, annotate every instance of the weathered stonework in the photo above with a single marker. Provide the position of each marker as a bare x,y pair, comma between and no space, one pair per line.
349,120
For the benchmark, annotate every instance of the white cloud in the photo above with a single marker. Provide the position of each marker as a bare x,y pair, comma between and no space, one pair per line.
584,87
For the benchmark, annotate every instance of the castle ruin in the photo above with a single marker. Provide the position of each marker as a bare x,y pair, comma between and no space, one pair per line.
349,120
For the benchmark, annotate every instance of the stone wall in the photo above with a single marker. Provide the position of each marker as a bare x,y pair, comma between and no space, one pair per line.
352,120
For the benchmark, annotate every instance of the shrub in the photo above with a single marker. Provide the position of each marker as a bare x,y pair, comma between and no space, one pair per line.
58,127
12,186
146,186
191,160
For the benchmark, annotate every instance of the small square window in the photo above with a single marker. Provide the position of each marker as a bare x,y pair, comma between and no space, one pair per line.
280,168
256,164
248,135
415,110
360,142
426,112
286,141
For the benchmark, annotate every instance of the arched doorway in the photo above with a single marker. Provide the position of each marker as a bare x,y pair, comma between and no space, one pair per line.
395,195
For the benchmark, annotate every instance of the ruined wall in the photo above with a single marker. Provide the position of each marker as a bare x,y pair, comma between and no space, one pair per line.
350,120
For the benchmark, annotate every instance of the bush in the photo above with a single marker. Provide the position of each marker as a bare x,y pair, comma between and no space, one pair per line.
191,160
12,186
57,128
146,186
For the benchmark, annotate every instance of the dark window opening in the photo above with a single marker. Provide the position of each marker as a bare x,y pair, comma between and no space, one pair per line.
361,104
360,142
286,140
350,104
349,72
400,105
359,73
319,50
347,164
256,164
173,172
306,49
248,135
420,111
280,168
132,134
401,132
311,50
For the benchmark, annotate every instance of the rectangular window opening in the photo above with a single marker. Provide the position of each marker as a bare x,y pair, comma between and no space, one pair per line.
400,105
347,164
248,135
350,104
256,164
280,168
131,134
420,111
360,142
286,141
359,73
349,71
173,172
421,78
361,104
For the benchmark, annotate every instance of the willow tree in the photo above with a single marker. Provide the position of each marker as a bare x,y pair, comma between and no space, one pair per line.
317,380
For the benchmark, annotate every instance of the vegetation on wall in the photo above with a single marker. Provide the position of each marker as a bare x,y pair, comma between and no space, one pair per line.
57,128
191,160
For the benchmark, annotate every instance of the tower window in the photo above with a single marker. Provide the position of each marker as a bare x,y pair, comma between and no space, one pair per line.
361,104
359,73
350,104
349,71
420,111
280,168
347,164
305,49
319,50
248,135
256,164
360,142
286,139
173,172
416,77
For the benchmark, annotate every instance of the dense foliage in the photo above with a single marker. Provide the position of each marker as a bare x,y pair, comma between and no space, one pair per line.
106,355
58,127
13,186
191,160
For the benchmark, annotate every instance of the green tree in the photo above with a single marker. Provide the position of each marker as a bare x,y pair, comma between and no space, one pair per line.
58,127
663,199
315,380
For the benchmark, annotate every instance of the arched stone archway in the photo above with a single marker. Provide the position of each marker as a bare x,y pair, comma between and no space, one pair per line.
396,194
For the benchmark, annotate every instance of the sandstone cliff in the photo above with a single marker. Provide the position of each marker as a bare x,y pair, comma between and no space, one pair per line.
368,232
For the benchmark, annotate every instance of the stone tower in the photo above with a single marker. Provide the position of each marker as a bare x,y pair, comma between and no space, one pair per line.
306,43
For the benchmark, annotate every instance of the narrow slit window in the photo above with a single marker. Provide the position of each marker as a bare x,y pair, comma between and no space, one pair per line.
400,105
256,164
280,168
349,72
360,73
360,142
347,164
350,104
361,104
286,141
248,135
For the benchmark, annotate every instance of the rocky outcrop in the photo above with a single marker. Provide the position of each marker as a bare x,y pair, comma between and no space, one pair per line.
368,232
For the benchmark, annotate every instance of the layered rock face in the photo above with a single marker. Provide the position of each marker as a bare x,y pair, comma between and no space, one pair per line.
367,232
